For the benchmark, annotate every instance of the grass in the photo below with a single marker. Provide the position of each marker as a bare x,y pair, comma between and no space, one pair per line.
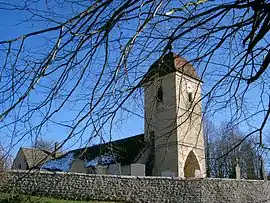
7,198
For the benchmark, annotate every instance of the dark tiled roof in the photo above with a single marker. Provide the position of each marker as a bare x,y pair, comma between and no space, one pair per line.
33,156
169,63
123,151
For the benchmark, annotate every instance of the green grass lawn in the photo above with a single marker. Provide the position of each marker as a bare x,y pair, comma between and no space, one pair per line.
7,198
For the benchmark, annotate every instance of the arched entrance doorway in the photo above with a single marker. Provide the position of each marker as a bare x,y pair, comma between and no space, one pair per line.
191,165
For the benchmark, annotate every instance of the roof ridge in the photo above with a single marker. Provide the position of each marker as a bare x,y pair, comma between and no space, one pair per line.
122,139
37,149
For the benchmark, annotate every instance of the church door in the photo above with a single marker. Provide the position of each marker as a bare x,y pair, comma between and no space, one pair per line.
191,165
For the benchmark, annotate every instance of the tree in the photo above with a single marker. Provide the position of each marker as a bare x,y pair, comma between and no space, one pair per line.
223,160
210,133
1,161
88,58
5,160
47,145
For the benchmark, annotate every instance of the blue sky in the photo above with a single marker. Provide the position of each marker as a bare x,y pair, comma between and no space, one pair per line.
12,25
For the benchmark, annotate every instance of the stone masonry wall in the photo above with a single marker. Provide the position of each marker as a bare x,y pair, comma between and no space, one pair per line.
134,189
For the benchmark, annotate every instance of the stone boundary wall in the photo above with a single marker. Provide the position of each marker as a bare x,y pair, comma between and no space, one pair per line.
134,189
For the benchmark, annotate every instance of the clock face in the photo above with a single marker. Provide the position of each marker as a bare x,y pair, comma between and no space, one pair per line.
189,87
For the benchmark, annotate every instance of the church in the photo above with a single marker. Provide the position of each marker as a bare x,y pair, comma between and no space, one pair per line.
172,143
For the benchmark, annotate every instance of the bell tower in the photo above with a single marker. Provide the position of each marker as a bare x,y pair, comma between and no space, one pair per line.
173,118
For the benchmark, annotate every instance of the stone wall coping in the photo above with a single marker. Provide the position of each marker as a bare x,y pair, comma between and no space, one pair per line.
131,177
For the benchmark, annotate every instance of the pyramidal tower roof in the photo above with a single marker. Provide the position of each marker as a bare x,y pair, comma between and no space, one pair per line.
169,63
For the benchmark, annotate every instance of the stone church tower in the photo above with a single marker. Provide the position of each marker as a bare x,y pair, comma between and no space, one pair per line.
173,118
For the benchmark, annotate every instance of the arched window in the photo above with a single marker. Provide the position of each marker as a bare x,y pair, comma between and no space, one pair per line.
191,165
160,94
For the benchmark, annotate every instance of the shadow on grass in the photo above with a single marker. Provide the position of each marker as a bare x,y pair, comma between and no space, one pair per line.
16,199
31,199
